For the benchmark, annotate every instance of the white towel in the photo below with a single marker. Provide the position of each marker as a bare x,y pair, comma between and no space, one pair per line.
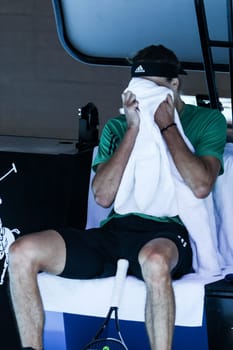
223,204
147,185
152,185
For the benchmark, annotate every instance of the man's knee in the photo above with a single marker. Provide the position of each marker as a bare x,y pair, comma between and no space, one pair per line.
22,254
154,265
157,258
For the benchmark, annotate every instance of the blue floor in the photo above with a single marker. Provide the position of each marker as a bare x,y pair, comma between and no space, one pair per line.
54,335
76,331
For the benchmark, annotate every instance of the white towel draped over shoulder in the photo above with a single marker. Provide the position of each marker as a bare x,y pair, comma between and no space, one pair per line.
152,185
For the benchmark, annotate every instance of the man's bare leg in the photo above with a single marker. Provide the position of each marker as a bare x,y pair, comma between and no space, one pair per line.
42,251
157,258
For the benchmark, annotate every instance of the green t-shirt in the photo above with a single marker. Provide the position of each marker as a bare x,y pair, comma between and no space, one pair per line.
204,127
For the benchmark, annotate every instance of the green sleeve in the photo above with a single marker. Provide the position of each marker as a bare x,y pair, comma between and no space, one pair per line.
213,137
111,136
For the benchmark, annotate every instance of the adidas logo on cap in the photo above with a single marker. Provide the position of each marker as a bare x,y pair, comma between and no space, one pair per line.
139,69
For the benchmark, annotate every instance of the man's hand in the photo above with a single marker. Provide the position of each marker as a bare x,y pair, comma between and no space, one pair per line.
131,109
164,115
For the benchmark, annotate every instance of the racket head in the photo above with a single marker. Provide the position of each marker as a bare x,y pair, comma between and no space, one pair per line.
106,344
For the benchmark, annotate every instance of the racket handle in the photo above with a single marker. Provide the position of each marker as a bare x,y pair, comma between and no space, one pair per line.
122,268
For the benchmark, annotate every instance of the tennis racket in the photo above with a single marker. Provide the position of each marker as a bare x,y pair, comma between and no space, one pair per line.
99,342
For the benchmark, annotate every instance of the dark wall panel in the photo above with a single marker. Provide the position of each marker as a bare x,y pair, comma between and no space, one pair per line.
41,86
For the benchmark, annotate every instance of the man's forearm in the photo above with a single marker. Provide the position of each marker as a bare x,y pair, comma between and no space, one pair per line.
108,176
198,173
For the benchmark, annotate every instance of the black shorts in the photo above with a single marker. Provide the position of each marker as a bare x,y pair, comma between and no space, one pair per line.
93,253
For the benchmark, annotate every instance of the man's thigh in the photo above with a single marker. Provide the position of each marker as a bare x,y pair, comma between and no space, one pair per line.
89,253
135,232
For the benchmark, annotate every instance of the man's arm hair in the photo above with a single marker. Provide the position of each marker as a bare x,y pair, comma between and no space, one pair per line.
199,173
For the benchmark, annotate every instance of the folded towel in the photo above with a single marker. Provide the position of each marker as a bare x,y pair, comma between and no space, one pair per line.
152,185
76,297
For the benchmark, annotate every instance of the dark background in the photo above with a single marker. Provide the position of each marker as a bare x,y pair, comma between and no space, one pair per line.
46,192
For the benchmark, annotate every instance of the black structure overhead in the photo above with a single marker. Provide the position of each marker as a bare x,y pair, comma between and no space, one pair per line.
199,31
207,47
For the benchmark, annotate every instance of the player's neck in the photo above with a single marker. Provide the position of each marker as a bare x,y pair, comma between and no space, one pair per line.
179,105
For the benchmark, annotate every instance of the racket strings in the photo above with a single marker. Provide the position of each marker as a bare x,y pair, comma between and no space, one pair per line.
106,344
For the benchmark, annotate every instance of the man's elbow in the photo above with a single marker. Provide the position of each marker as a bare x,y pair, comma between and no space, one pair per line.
202,191
103,200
